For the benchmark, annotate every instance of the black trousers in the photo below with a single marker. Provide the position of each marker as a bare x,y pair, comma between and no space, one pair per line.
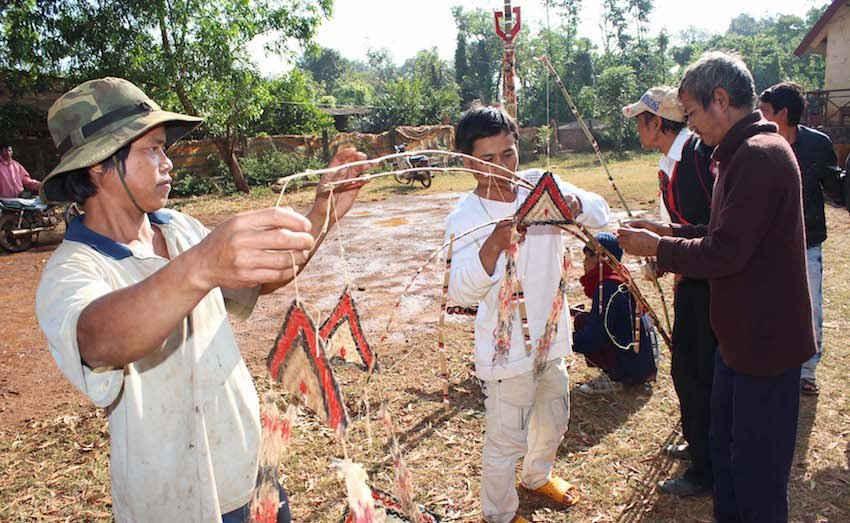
753,433
692,369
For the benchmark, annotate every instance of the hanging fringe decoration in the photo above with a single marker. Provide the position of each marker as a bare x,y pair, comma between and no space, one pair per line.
507,302
541,356
361,505
276,436
403,481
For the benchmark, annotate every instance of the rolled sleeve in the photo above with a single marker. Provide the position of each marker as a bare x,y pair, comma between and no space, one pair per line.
62,296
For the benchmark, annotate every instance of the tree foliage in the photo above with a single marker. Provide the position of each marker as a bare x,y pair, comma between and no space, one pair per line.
190,54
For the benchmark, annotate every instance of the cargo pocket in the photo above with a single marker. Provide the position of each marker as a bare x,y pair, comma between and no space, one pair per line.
508,411
560,412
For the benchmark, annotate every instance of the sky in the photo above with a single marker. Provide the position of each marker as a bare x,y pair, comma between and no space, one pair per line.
406,26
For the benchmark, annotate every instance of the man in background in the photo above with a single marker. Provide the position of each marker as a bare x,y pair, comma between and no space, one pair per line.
13,177
783,104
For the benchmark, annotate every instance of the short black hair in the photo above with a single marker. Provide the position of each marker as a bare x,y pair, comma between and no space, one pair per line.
667,126
483,122
78,185
786,95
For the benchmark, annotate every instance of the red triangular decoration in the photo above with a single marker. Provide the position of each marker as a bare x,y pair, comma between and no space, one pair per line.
545,205
343,336
299,364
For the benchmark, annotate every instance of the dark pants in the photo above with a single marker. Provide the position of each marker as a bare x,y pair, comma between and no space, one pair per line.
753,432
243,514
692,369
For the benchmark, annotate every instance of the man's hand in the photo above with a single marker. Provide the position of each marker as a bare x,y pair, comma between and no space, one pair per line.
498,241
658,228
638,242
343,195
252,248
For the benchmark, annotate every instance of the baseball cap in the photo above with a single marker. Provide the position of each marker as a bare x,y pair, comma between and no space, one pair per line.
662,101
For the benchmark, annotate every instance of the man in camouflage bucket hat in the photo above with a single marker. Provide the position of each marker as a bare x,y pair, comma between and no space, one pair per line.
134,305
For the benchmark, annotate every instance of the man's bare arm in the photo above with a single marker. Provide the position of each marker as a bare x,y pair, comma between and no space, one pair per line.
248,250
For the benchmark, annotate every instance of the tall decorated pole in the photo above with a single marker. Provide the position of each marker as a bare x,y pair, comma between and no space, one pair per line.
512,24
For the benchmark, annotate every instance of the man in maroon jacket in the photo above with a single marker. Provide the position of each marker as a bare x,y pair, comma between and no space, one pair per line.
753,253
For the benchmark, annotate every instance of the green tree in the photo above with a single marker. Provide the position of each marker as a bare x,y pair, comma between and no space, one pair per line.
191,54
483,54
617,87
326,65
401,104
292,107
355,92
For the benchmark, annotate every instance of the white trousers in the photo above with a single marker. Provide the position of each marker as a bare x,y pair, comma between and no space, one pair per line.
525,418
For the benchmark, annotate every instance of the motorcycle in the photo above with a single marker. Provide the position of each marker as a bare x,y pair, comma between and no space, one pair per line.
23,219
412,162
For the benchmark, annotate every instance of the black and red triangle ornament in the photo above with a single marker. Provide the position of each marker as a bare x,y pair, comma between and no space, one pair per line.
545,205
298,362
344,337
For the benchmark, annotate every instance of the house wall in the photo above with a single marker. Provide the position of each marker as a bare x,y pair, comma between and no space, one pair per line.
838,53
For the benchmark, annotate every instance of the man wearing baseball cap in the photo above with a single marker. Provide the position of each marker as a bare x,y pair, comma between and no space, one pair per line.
686,182
134,305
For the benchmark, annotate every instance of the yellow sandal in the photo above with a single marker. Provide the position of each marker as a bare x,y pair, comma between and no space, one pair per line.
560,491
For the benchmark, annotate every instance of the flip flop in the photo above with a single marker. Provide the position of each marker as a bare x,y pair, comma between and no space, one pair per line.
809,387
560,491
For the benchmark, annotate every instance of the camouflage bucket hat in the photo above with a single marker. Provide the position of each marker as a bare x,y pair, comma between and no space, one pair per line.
94,120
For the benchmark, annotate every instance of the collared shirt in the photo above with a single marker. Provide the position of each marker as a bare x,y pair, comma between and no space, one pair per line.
183,421
14,178
667,163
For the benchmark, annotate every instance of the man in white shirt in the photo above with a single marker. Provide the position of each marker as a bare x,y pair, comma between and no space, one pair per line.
134,306
526,416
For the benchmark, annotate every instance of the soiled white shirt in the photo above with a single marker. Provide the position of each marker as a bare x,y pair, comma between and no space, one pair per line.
538,268
184,421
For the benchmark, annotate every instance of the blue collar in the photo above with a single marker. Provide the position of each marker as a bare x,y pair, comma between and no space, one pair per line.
78,232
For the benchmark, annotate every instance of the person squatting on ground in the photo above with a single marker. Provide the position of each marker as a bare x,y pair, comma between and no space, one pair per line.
604,335
134,306
14,179
783,104
525,416
753,254
686,182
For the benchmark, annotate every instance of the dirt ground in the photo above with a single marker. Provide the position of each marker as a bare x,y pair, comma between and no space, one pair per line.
611,447
404,229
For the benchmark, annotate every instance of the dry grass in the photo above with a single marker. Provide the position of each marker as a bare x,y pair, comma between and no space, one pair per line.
57,469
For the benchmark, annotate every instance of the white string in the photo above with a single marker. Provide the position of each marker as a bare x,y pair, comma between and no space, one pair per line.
388,157
621,289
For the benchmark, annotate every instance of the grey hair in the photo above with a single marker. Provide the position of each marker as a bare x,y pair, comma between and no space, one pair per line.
719,69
